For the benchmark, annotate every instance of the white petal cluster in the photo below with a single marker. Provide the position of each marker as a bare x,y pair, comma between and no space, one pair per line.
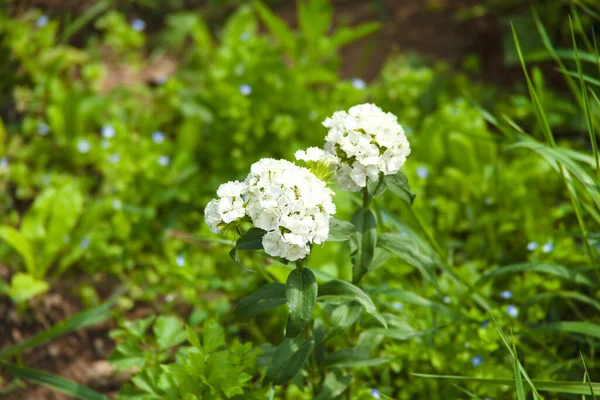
287,201
315,154
368,142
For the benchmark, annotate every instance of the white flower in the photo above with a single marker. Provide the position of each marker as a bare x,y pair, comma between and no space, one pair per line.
108,131
316,154
287,201
367,142
83,146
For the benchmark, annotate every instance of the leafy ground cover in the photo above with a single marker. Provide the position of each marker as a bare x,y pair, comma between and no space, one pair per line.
119,124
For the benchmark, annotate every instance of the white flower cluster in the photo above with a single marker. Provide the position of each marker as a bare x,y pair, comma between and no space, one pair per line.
287,201
368,142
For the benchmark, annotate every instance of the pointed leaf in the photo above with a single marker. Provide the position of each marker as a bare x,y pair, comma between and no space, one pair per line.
341,292
339,231
363,242
269,296
301,294
398,184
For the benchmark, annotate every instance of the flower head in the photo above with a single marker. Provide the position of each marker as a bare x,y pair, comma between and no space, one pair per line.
512,311
291,204
138,25
476,361
83,146
506,294
422,172
42,21
245,89
164,161
43,129
368,142
158,137
180,260
108,132
358,83
548,247
531,246
375,393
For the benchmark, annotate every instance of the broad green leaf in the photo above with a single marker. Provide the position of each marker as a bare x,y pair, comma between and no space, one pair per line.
269,296
363,242
24,286
341,292
353,358
52,381
408,250
169,331
192,337
126,355
214,336
281,356
550,269
139,327
294,365
314,18
83,319
566,387
342,318
398,184
22,245
301,294
339,230
335,383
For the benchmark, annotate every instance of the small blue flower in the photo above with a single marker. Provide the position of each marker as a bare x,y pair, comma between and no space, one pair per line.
531,246
506,294
485,323
476,361
548,247
138,25
114,158
467,345
3,162
42,21
447,299
245,89
164,161
85,243
359,83
158,137
169,298
375,393
180,260
83,146
489,201
108,131
117,204
403,234
398,306
512,311
43,129
245,36
161,79
422,172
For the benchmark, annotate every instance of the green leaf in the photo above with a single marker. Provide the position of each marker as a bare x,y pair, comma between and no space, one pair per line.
278,28
582,328
336,382
566,387
169,331
343,317
214,336
24,286
301,294
339,231
269,296
550,269
294,365
252,240
353,358
363,242
126,355
345,35
282,354
192,337
398,184
21,244
54,382
518,378
408,250
341,292
83,319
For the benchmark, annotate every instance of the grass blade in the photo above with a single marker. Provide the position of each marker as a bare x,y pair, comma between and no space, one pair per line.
587,375
84,19
54,382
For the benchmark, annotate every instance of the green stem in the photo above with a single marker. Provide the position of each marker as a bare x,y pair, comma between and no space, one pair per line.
366,198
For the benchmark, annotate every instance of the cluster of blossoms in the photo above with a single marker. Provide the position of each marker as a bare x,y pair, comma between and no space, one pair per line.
291,204
362,144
